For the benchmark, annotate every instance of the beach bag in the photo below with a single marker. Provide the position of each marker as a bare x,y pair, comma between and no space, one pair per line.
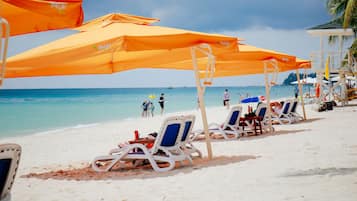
322,107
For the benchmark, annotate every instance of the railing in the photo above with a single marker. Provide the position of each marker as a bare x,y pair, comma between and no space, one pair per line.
337,61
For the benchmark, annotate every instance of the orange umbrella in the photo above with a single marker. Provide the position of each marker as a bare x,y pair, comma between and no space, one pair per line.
236,68
110,45
28,16
249,60
112,17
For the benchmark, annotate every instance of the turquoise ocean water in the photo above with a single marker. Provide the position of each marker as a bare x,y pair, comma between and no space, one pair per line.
28,111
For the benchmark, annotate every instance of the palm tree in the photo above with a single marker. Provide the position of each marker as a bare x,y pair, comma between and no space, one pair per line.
346,12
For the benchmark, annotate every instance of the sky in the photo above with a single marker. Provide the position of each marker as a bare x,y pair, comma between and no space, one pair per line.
279,25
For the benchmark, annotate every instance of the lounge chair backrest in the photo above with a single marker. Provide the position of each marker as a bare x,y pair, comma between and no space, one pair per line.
294,106
189,122
9,161
233,116
286,107
171,130
261,110
5,165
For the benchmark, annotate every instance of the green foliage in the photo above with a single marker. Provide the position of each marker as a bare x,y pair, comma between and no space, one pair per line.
292,77
346,12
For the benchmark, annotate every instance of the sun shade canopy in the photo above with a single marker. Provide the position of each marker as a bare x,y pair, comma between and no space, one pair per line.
114,47
252,67
105,20
29,16
249,60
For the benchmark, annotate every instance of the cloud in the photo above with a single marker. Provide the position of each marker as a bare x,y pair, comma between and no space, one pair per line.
212,15
296,42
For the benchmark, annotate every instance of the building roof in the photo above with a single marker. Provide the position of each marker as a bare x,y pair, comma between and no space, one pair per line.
332,28
334,24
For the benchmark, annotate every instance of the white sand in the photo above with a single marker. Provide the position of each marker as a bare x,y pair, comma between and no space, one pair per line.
312,160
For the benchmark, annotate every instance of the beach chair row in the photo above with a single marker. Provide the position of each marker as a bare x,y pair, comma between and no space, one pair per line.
288,113
237,125
173,143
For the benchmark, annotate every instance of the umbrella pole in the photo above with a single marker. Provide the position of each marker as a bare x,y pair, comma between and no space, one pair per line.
200,92
3,23
301,94
267,94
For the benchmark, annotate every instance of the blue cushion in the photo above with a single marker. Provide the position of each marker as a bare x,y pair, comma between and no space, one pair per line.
287,106
262,112
293,109
185,131
4,171
170,135
234,118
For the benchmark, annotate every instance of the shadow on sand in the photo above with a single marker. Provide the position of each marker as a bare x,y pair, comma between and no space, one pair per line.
279,132
347,105
309,120
142,172
322,171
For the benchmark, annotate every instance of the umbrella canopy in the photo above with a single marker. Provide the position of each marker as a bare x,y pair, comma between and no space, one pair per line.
252,66
28,16
112,17
249,60
112,45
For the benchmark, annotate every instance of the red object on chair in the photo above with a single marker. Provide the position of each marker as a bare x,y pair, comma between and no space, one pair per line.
136,134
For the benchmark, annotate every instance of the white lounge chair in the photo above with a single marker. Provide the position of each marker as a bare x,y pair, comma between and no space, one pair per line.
165,149
9,161
261,112
229,127
295,117
187,137
283,116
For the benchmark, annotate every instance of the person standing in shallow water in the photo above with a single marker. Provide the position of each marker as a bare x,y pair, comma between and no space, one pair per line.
162,102
296,91
144,107
226,98
151,108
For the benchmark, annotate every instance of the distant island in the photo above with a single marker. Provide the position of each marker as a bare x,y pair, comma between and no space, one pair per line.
292,77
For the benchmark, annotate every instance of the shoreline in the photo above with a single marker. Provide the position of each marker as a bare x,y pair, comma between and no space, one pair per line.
51,110
94,124
114,121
